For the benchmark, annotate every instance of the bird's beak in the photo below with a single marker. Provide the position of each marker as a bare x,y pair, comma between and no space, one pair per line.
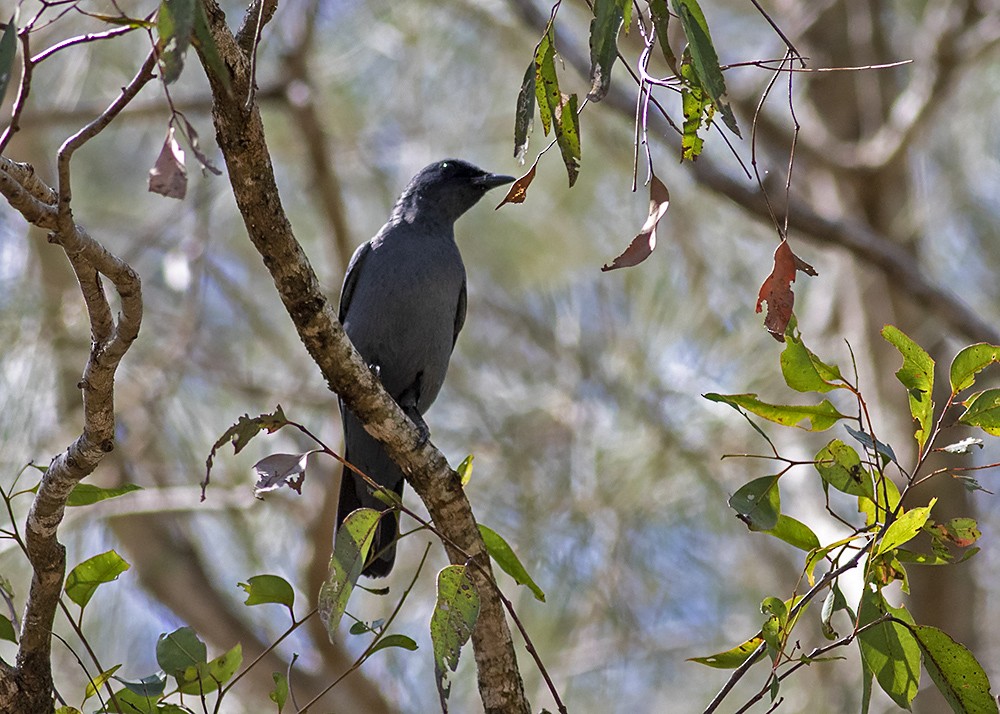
493,180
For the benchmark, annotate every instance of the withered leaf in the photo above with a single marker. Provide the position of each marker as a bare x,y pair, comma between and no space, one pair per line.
168,177
776,290
642,245
519,189
279,470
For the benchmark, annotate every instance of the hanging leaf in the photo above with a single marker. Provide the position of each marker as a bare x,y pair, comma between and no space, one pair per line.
279,470
758,503
8,52
776,290
609,15
505,557
888,649
168,177
454,617
175,22
643,244
524,117
705,58
955,671
697,106
804,371
519,189
85,578
350,551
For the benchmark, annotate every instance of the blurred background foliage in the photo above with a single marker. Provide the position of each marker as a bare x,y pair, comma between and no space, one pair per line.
577,391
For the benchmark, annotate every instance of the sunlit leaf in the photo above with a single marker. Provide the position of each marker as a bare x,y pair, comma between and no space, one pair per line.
518,190
350,550
840,466
955,671
508,561
794,533
697,107
776,290
983,410
804,371
85,578
401,641
904,529
917,375
524,116
970,362
99,681
731,658
817,418
705,58
279,695
454,617
263,589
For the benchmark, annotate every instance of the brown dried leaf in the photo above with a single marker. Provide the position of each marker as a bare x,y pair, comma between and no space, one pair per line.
776,290
519,189
168,177
642,245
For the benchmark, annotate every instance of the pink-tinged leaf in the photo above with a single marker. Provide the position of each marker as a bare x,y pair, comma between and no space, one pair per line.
776,290
643,244
279,470
168,177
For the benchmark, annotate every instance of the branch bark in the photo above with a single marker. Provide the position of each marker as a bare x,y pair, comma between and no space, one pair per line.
240,135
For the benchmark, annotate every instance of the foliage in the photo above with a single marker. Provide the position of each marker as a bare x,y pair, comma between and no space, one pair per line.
882,534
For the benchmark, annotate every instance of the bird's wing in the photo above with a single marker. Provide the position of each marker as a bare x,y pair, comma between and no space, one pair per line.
459,313
351,279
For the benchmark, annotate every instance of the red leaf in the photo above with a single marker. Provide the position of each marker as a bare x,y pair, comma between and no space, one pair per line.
519,189
776,290
168,177
642,245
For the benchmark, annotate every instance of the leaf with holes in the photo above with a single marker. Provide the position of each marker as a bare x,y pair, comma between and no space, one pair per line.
454,617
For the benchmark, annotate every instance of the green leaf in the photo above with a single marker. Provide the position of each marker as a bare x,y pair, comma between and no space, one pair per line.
8,52
889,650
524,114
794,533
508,561
7,631
661,21
904,529
179,650
279,695
819,418
955,671
567,130
206,677
695,105
917,375
804,371
705,59
175,26
609,15
454,617
67,710
758,503
204,41
465,469
132,703
402,641
262,589
840,466
970,362
99,681
983,410
546,82
151,686
85,578
84,494
731,658
350,550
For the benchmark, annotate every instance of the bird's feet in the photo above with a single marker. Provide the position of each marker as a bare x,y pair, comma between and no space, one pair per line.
418,421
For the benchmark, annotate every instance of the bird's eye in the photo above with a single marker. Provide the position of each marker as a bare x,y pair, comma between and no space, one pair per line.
444,164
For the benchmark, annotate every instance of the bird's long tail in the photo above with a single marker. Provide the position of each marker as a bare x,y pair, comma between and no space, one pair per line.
355,494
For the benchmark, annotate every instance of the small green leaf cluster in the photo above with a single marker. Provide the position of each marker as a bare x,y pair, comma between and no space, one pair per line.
892,645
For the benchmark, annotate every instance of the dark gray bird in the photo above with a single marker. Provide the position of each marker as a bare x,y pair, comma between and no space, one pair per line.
402,305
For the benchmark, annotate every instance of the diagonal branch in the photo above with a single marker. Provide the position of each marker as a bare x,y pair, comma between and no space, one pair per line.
240,135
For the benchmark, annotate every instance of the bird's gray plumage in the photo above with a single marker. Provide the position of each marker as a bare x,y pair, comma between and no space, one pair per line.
403,305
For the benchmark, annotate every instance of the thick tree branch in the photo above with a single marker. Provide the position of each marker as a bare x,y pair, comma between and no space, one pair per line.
240,134
28,687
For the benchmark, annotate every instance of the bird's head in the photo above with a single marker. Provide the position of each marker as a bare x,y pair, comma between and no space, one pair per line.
446,189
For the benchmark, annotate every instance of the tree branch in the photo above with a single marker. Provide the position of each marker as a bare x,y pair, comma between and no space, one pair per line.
240,135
